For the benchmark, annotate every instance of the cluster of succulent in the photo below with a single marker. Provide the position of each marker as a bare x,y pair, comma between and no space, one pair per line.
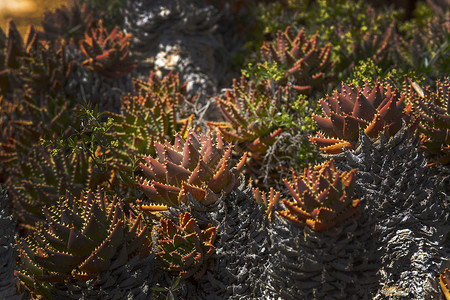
196,166
154,114
252,114
39,178
184,247
128,184
322,197
67,22
427,49
107,52
433,108
309,66
372,110
79,239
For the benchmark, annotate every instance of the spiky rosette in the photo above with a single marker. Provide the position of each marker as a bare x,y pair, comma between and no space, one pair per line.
80,239
27,120
251,113
378,46
7,224
67,22
195,166
107,53
45,68
322,197
373,110
308,66
408,203
11,50
185,248
154,114
320,246
434,111
39,179
425,51
444,281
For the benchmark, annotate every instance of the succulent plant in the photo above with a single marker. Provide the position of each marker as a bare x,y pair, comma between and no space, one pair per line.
11,49
107,53
67,22
153,115
322,197
374,45
308,66
80,239
7,223
30,118
235,271
426,51
39,179
252,115
195,166
372,110
185,248
45,68
444,281
406,199
434,111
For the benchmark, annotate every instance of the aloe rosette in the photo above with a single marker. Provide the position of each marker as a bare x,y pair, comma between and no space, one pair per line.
107,52
251,114
197,166
80,239
433,108
322,197
184,247
309,66
373,110
154,114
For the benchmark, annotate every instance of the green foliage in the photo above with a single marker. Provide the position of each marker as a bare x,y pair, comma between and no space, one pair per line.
365,71
92,139
265,71
169,292
422,16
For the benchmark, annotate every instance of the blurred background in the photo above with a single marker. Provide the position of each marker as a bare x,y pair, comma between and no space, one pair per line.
26,12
